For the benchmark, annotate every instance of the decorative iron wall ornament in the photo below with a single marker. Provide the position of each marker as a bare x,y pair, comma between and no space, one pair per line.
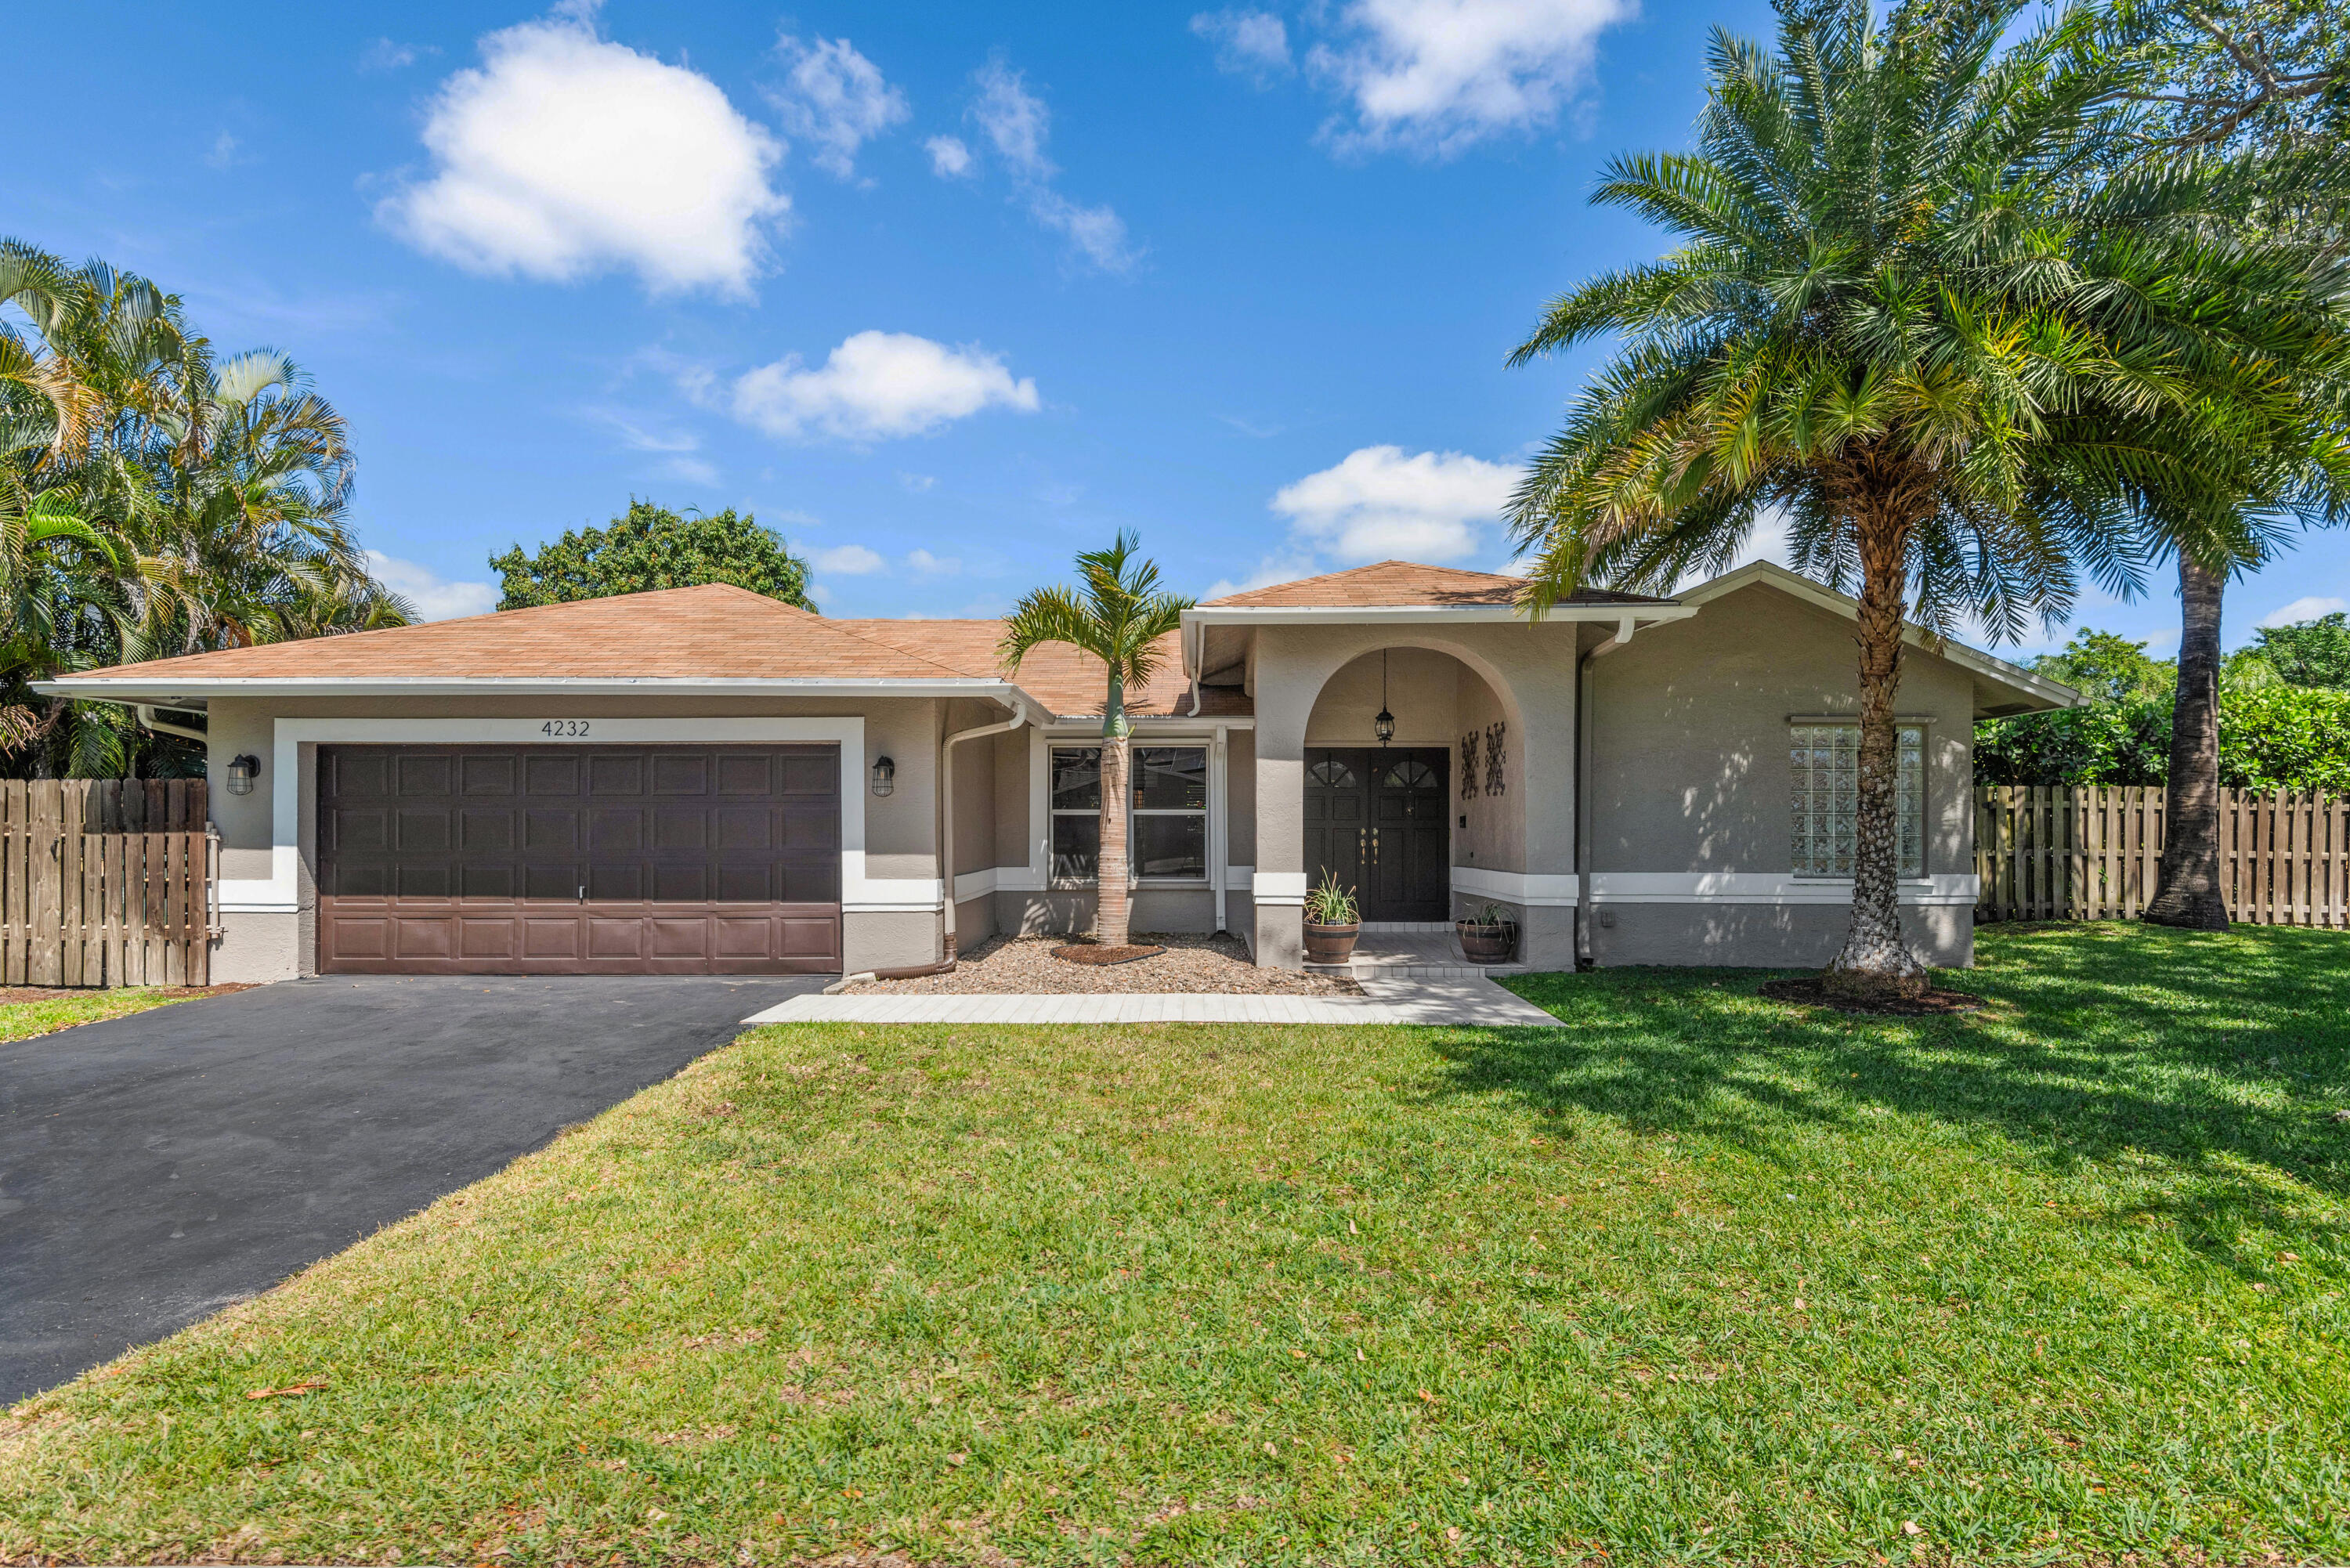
1468,766
1497,758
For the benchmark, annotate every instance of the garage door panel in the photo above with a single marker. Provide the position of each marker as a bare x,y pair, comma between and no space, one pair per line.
558,860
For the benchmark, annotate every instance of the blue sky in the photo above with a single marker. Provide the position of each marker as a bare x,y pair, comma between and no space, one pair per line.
945,294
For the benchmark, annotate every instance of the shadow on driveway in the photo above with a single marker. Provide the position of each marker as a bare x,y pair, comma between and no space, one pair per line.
157,1167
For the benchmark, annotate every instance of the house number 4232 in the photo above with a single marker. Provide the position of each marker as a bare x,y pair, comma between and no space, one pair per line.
564,728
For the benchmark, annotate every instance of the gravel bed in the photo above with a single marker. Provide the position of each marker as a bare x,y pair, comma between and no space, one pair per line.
1025,966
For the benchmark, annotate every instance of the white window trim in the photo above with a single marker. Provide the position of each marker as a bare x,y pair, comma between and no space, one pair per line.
1923,877
294,789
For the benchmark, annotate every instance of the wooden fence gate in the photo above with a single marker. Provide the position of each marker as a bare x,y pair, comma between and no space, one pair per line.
2092,852
106,882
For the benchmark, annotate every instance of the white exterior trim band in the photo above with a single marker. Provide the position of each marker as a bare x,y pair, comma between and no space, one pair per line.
1765,888
1534,890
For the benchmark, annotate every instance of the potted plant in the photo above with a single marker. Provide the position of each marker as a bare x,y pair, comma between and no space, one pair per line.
1331,922
1488,936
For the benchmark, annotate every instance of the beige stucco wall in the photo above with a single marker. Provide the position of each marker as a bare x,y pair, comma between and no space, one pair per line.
1690,774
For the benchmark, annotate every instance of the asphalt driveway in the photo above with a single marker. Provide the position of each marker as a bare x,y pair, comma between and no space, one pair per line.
157,1167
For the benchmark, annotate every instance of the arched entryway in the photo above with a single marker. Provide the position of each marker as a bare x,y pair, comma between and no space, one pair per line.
1395,810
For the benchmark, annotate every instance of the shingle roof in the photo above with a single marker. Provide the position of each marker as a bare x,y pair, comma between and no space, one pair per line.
712,632
1400,584
1063,680
715,632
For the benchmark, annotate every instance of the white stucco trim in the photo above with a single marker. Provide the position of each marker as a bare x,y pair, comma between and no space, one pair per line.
1421,615
280,893
1764,888
1277,886
1534,890
970,885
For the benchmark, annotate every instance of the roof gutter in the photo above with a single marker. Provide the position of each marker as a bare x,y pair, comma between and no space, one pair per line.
192,693
146,711
1409,615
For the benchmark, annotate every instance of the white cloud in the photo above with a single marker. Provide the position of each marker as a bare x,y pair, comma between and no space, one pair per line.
1017,123
918,483
2302,609
1378,503
819,593
1251,43
641,438
691,470
435,597
1435,76
934,565
836,101
564,154
877,385
223,151
1271,570
846,561
384,55
950,158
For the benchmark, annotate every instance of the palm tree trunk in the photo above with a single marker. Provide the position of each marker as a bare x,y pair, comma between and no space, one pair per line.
1876,961
2188,886
1113,906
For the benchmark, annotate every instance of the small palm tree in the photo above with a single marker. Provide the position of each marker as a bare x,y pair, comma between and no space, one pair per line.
1119,615
1888,324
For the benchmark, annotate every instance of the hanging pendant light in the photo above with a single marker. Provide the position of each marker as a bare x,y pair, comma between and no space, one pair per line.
1383,726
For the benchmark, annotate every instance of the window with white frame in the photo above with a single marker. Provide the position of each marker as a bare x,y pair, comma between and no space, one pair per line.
1825,759
1169,833
1167,812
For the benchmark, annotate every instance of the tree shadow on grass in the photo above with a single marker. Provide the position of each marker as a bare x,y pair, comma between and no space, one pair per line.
2221,1056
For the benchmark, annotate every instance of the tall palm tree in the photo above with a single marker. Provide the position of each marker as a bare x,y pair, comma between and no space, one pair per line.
1884,325
1118,615
224,488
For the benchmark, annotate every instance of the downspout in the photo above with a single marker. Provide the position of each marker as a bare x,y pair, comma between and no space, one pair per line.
1582,685
946,964
146,711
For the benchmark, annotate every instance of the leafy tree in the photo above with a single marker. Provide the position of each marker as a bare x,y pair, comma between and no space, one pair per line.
653,547
1119,615
2270,737
2309,653
2105,667
2224,72
1896,319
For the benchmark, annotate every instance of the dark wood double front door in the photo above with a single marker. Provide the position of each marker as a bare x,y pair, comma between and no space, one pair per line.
1376,819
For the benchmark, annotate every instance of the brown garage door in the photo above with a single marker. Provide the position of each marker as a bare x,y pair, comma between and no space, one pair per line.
578,861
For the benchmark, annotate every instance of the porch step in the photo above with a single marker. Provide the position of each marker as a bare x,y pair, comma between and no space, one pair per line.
1408,968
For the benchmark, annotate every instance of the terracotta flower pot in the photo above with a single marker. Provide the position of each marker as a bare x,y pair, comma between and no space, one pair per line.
1486,944
1331,944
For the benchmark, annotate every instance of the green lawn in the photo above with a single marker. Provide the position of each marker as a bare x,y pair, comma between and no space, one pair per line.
1693,1277
23,1020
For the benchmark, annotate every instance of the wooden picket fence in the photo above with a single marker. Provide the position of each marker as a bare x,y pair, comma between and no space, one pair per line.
106,882
2092,852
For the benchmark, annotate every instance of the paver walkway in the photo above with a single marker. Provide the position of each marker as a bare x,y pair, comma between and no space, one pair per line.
1470,1002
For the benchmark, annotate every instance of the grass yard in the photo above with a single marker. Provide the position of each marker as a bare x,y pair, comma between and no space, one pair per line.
1692,1277
25,1011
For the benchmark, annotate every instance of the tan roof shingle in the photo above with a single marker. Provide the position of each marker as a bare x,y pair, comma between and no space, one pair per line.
715,632
1388,585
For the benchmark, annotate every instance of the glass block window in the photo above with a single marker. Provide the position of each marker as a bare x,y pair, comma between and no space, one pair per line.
1825,761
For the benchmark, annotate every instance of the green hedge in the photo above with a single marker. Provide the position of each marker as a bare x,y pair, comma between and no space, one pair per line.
2278,737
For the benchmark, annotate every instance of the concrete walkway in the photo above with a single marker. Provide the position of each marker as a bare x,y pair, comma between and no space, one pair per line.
1467,1002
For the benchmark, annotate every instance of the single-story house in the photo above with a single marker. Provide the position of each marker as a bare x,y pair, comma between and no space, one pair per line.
707,780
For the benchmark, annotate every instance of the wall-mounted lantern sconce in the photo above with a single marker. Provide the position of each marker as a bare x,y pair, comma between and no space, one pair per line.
242,771
884,775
